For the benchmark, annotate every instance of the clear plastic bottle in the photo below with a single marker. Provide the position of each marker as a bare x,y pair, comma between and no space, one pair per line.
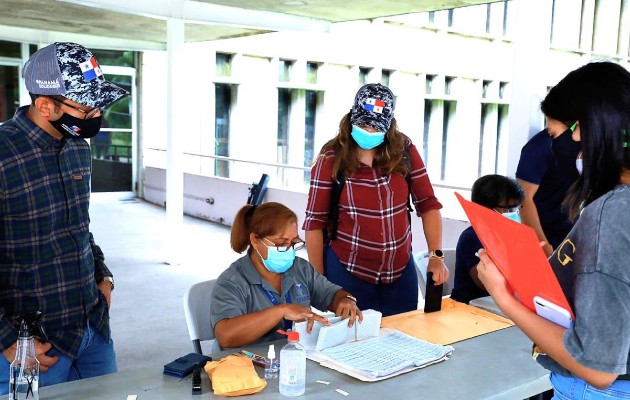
24,370
292,367
271,368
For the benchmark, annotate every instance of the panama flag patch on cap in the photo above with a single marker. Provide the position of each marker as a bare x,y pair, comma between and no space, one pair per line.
374,105
90,69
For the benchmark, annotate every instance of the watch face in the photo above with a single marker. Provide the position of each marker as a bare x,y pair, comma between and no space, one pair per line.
438,253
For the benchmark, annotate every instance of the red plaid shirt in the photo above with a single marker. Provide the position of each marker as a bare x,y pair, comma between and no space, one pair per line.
374,234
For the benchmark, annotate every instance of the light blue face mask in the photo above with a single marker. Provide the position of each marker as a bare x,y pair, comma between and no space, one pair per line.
277,261
367,140
514,216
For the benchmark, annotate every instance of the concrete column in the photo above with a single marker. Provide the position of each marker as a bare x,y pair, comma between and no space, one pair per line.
623,42
176,117
531,44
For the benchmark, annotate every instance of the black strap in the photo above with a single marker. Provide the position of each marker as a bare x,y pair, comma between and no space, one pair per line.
339,182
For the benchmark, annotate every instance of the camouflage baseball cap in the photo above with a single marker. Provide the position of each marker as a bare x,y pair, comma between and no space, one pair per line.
70,70
373,106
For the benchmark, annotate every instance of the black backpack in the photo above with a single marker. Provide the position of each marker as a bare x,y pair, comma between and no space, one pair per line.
339,182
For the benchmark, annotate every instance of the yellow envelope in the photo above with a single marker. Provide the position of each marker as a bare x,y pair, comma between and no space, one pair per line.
234,376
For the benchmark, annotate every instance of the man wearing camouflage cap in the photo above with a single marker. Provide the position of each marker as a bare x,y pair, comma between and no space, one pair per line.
48,259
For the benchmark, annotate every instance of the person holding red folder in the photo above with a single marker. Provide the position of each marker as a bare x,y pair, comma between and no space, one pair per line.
591,358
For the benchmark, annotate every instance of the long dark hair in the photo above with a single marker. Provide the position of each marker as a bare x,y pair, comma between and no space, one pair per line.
597,95
388,155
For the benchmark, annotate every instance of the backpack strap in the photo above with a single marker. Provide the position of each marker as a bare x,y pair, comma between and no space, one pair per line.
339,182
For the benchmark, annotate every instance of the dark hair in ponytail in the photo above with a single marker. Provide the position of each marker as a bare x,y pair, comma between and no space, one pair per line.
263,220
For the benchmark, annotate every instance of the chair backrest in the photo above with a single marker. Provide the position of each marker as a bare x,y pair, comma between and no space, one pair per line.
197,311
422,260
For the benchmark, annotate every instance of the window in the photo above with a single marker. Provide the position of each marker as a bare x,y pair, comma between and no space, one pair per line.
364,74
10,49
115,57
565,23
385,75
309,131
223,106
284,112
428,88
284,70
223,66
311,72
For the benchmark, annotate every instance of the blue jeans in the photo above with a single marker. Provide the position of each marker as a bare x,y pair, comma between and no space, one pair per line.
96,357
570,388
393,298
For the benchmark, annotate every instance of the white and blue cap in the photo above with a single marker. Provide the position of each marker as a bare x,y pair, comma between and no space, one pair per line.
70,70
373,106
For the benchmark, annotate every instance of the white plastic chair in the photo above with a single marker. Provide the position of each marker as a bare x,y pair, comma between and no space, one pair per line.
421,260
197,311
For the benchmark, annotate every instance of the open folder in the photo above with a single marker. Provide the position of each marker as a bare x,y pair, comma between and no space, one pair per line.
516,251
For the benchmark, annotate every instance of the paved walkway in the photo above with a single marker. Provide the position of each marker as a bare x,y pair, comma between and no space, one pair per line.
148,322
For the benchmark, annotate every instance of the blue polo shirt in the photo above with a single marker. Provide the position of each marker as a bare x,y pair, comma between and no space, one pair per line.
241,290
538,166
464,287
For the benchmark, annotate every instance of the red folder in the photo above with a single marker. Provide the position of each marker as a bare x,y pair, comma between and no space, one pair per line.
516,251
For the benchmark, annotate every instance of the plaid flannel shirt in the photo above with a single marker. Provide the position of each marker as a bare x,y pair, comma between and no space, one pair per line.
48,258
374,233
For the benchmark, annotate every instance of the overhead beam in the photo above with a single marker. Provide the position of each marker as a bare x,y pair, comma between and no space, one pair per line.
90,41
211,14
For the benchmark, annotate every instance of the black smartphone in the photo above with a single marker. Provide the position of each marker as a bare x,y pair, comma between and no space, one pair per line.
196,380
433,295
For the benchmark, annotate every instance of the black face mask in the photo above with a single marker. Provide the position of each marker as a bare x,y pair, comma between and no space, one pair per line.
566,150
73,127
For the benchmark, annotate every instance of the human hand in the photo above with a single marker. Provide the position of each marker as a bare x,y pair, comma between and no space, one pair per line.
546,248
440,272
40,352
347,308
105,287
492,278
296,312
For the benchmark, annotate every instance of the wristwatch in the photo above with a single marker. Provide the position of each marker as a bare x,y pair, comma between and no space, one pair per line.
351,297
110,280
439,254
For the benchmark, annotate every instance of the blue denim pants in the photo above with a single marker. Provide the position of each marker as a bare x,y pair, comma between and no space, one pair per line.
394,298
96,357
571,388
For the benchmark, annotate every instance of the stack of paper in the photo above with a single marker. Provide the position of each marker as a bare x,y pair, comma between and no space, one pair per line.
365,351
338,332
385,356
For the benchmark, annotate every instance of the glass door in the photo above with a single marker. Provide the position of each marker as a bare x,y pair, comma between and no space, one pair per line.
113,149
9,91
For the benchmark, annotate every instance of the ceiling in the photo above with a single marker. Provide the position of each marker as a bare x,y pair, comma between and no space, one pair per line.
144,21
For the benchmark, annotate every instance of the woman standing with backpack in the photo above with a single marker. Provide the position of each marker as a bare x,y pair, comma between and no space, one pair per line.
363,178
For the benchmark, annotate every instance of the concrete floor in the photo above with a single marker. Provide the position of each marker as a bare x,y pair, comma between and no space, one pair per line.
148,324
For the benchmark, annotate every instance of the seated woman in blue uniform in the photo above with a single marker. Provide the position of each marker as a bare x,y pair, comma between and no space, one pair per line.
269,287
499,193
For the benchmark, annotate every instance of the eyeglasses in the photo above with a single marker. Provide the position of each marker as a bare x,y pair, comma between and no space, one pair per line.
87,114
510,208
297,245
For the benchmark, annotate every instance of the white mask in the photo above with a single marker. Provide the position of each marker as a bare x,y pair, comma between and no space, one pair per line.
579,165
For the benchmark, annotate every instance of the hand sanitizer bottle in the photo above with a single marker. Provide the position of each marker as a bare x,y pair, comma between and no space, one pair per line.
271,368
24,370
292,367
